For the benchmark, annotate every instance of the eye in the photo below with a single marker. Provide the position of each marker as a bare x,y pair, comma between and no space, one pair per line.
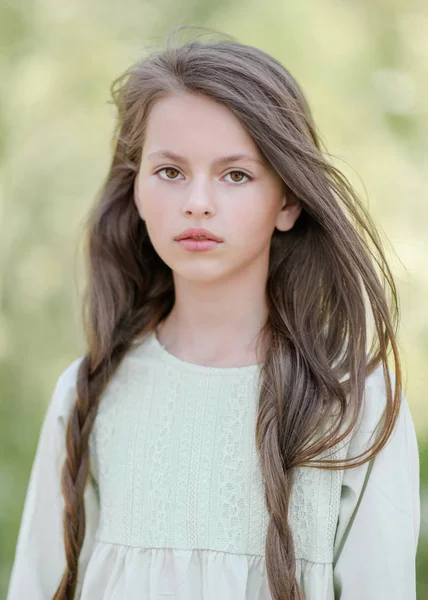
173,169
167,169
240,173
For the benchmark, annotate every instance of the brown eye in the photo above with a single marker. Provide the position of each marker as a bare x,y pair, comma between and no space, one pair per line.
239,174
168,169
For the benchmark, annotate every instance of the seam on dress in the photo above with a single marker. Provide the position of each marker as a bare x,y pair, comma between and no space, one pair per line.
351,520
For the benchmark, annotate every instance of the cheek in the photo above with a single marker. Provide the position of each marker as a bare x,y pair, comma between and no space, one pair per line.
155,209
253,222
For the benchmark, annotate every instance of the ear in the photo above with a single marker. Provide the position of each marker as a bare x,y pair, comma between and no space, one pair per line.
288,214
137,201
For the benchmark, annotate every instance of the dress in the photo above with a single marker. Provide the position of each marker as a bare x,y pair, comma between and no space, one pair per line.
175,503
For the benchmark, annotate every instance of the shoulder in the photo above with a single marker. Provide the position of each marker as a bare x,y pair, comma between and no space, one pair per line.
64,391
375,409
375,398
374,401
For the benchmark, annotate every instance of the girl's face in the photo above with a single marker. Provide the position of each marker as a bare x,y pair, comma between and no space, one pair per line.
240,200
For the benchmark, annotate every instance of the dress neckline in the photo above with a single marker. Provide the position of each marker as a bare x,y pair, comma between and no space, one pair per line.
162,352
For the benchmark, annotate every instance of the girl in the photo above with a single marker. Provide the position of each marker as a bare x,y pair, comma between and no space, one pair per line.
232,274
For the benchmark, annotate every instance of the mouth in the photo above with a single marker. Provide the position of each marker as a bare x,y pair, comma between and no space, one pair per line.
199,238
198,244
198,234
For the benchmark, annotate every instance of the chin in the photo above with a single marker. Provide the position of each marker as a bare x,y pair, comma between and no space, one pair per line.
199,273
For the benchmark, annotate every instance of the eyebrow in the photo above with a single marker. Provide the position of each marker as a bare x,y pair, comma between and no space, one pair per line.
218,161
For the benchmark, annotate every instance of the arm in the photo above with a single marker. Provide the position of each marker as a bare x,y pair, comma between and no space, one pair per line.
379,518
40,556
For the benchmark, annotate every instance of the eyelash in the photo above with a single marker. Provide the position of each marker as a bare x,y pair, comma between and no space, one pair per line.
233,171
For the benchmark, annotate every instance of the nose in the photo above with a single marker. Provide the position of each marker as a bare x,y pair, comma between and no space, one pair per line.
199,199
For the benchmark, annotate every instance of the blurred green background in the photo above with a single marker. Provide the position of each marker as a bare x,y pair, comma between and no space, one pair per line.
363,66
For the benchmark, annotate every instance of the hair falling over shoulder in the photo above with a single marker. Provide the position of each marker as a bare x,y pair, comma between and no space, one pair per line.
325,274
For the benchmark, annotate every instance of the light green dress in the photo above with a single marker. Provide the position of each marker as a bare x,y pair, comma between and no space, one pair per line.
175,505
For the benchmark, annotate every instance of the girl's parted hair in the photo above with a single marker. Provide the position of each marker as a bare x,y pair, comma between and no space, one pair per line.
324,275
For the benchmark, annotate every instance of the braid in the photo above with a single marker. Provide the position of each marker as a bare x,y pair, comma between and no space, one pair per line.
74,477
75,471
279,455
279,545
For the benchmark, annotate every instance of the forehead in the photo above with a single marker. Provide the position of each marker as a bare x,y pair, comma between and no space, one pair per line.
190,124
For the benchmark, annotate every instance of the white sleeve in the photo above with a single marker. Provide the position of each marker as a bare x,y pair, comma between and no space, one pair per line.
379,518
40,556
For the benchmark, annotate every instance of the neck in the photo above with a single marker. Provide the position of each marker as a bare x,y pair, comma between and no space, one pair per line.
216,322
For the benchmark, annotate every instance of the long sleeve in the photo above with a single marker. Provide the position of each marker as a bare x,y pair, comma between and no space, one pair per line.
379,519
40,556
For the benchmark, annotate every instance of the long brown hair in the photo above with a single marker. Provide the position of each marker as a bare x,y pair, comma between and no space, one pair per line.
327,276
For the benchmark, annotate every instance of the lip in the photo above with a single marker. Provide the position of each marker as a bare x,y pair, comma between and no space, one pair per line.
195,232
198,245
